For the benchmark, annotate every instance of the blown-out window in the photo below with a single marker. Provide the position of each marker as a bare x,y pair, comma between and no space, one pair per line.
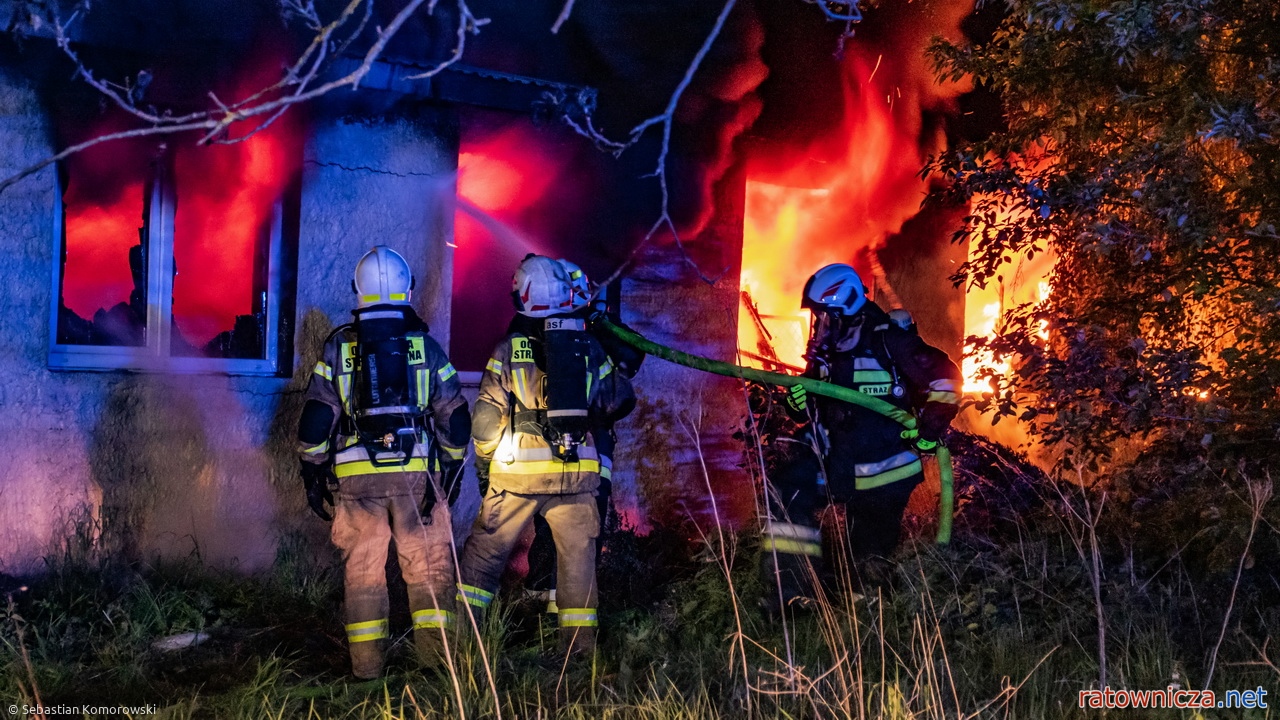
170,258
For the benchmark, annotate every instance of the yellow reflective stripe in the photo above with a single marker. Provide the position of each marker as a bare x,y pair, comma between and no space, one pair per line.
427,619
366,631
447,371
454,453
942,396
578,617
518,381
792,547
872,376
606,369
393,297
589,376
943,385
364,467
317,449
606,472
545,467
884,478
344,391
424,385
494,366
323,370
793,531
475,596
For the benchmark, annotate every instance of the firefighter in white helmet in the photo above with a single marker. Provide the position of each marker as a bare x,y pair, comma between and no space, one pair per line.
854,455
541,580
546,387
386,427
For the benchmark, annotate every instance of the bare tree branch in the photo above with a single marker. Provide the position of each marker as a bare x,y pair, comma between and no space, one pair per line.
666,120
299,78
564,16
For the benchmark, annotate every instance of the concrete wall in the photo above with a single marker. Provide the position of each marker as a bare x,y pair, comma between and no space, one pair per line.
172,465
684,418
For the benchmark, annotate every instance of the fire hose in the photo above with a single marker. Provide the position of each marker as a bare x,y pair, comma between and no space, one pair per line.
817,387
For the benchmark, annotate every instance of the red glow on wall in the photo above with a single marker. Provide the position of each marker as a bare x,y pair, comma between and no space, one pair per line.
505,177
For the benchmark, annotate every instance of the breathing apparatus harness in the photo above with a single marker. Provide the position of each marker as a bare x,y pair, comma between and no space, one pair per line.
562,350
387,416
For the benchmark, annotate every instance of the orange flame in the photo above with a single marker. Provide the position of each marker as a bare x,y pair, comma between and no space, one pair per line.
791,230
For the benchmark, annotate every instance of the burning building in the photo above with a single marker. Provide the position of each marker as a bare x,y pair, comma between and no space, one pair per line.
167,298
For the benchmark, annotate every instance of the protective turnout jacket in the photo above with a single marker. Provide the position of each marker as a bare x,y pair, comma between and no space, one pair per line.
327,427
505,430
894,365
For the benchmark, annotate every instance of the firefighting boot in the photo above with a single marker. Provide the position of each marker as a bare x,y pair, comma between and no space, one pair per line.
433,619
367,630
790,556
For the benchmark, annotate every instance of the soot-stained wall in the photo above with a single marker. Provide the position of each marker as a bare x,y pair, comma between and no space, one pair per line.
162,465
676,453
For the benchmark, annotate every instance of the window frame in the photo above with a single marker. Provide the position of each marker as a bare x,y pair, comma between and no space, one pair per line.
156,355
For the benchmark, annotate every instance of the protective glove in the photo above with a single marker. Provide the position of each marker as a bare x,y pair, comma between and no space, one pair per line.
798,398
315,478
450,480
482,475
919,444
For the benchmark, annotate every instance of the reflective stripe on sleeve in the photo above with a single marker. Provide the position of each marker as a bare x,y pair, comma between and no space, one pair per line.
884,478
578,617
943,385
446,372
474,596
494,366
454,453
428,619
941,397
366,631
316,449
364,467
606,369
889,463
323,370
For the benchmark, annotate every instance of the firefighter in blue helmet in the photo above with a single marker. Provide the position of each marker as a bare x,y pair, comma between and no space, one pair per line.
853,455
386,427
546,387
541,580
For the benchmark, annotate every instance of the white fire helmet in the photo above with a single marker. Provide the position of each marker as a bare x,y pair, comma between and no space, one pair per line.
579,285
835,288
541,287
382,278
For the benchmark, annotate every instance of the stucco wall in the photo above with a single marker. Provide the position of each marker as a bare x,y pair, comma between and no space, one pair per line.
170,465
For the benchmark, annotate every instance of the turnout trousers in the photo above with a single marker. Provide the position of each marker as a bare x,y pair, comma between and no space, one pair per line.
370,511
575,524
792,557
